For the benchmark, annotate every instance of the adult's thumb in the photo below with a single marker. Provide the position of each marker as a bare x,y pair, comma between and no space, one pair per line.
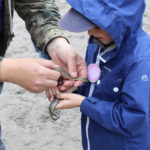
49,64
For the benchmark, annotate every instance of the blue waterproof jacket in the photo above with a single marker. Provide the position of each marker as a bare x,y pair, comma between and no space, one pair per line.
116,110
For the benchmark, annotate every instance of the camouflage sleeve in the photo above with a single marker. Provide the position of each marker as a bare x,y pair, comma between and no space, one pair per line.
41,17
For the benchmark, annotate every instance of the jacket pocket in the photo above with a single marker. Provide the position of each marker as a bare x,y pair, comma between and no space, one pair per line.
109,89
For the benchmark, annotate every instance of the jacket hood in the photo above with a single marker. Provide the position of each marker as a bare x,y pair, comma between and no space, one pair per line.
119,18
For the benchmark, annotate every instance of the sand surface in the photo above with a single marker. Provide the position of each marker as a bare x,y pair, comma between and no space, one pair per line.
24,116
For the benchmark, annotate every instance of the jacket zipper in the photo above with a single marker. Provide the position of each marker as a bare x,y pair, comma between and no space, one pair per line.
10,17
92,86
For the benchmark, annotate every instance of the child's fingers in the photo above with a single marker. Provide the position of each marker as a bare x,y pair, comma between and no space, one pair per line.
51,98
49,94
71,90
46,93
65,95
57,92
63,88
78,83
68,83
53,91
64,104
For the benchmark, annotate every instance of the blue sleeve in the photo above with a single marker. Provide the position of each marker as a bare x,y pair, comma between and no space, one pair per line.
130,114
42,54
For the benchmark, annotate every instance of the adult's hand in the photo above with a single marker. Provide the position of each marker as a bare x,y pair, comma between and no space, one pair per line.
65,56
35,75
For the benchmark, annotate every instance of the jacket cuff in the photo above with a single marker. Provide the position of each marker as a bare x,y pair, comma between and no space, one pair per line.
50,36
87,105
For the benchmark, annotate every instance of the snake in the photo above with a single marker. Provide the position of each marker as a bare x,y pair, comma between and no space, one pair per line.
52,107
53,112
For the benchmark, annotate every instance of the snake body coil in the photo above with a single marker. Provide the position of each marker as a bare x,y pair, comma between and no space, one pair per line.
53,112
64,74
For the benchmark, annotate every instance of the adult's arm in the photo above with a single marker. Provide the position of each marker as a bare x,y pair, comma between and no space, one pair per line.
41,17
35,75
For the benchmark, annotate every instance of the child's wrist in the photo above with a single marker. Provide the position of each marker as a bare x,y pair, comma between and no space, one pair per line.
81,100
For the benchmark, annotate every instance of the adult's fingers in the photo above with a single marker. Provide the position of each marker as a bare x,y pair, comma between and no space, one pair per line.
72,65
47,63
52,74
82,68
82,72
49,84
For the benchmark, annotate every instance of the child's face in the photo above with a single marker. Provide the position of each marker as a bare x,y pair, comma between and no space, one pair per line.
101,35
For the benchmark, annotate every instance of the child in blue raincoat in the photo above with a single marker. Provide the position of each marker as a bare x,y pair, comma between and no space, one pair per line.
116,106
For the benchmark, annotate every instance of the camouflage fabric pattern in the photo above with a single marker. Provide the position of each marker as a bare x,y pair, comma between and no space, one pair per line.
40,16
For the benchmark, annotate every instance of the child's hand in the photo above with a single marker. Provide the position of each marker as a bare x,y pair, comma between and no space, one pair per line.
69,100
51,93
67,85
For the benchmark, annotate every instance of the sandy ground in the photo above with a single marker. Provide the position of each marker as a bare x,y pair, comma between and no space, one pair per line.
24,116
